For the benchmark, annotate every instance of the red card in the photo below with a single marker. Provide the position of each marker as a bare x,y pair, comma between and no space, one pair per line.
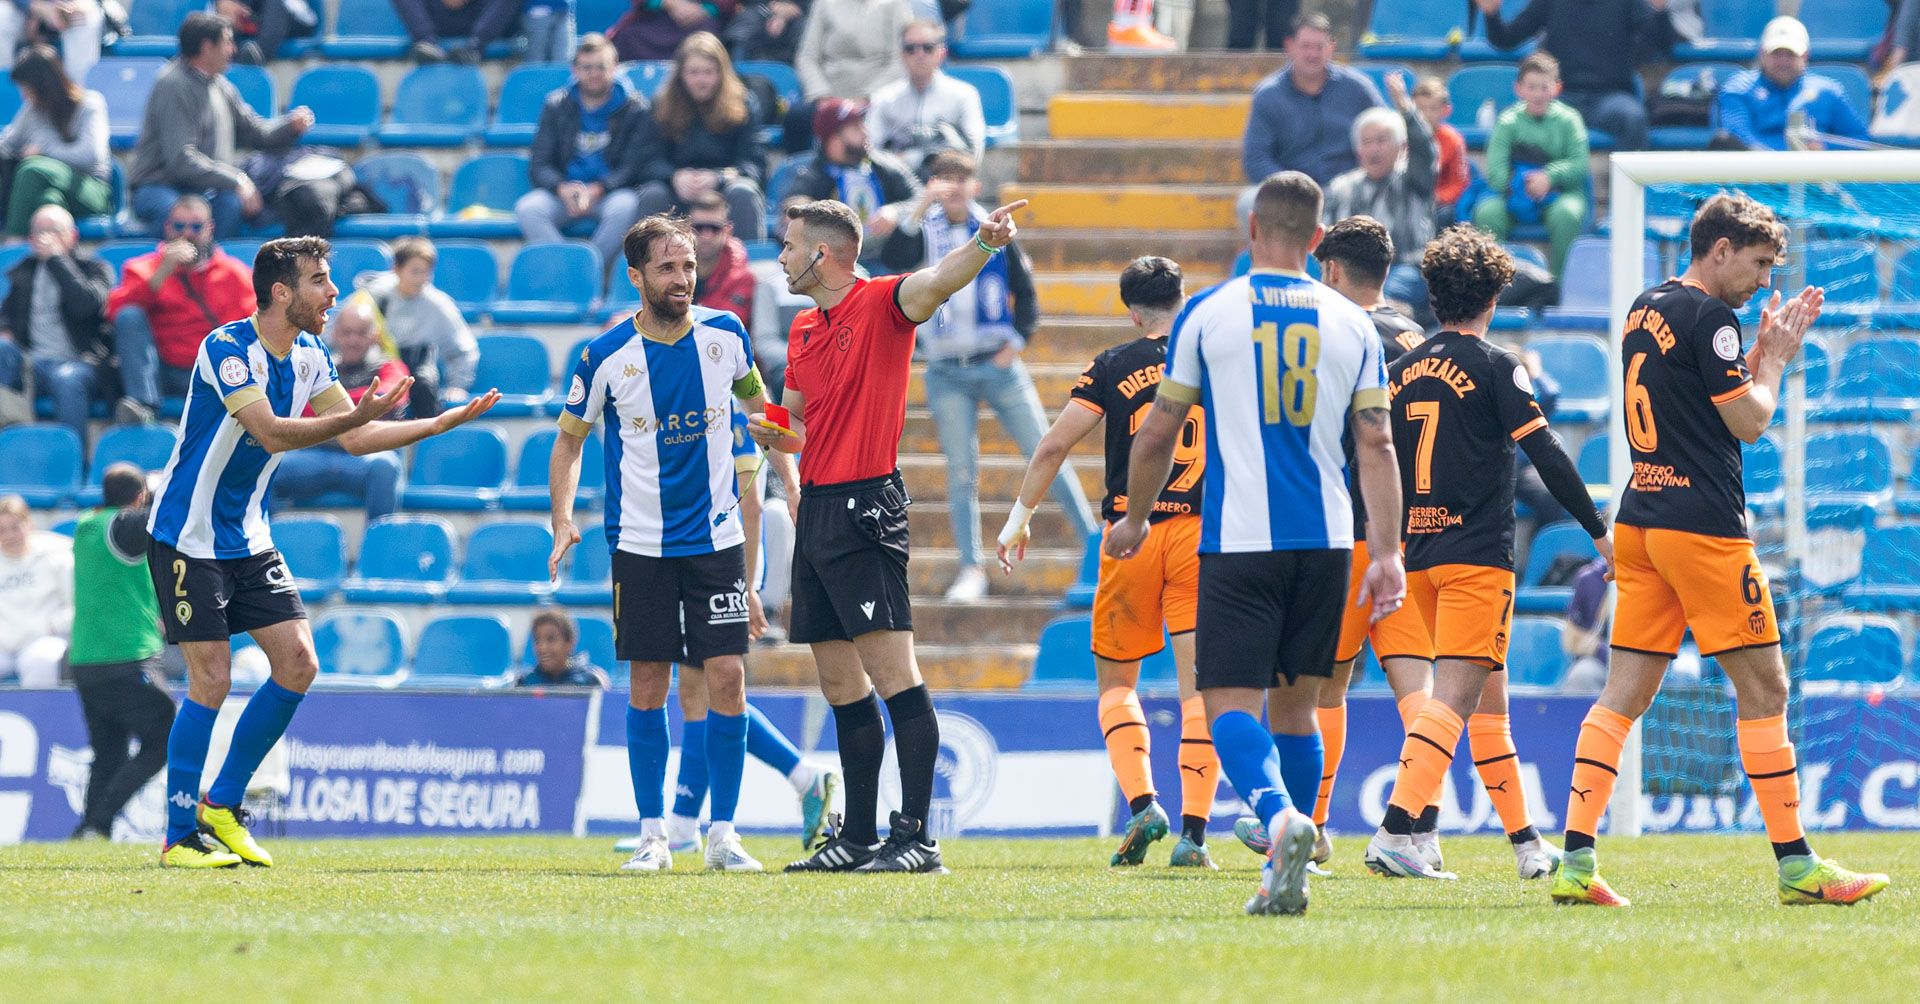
779,416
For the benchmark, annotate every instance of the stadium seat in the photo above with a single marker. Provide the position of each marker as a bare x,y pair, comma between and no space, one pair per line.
1377,72
786,86
345,101
463,652
1854,649
356,256
1080,594
153,27
1686,137
551,283
1579,364
1004,29
1908,503
516,364
1879,380
460,469
1476,48
1732,31
444,105
1906,280
1592,462
1889,575
1475,87
118,253
125,83
1848,474
366,29
147,447
10,256
1586,284
1534,656
315,550
595,642
529,490
116,221
480,199
996,100
1065,659
620,302
9,99
1848,271
1851,79
598,15
1843,31
1760,476
1549,543
255,86
647,75
42,464
467,272
504,563
359,649
403,559
588,581
1412,29
406,183
522,95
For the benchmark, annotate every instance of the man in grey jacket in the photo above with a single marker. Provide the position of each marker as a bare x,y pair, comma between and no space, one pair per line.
195,120
1393,184
927,111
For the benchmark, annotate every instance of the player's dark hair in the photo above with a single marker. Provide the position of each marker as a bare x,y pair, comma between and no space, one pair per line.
1740,220
278,261
642,236
1311,19
1288,207
1465,269
200,28
121,484
1539,62
1363,247
1152,283
830,222
558,619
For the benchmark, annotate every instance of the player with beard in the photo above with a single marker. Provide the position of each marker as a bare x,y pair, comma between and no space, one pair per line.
665,380
214,566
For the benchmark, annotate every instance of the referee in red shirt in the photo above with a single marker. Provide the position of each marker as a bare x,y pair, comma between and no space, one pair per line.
846,393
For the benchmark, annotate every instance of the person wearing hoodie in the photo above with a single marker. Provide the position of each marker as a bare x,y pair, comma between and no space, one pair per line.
36,598
588,149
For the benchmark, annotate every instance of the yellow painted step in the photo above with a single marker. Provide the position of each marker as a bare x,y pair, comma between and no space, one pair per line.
1147,116
1095,295
1136,210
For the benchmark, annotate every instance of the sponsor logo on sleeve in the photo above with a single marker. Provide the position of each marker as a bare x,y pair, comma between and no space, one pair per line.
1522,380
577,391
233,371
1726,343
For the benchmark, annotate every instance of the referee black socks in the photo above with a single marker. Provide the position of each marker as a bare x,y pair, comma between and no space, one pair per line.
916,737
863,747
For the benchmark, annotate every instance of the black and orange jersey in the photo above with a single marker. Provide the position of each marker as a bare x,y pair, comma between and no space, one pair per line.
1120,384
1459,403
1684,358
1398,333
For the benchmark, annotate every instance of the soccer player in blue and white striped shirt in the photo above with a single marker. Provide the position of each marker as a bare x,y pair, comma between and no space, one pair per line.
1283,365
214,565
665,380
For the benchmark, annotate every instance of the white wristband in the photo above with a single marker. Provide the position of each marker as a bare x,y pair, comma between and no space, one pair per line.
1016,524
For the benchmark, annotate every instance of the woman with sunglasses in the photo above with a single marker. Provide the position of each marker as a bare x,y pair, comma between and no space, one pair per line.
709,125
58,142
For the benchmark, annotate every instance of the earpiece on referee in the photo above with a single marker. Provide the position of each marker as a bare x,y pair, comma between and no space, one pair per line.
817,255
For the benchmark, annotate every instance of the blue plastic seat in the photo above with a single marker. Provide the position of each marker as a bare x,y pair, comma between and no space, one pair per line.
359,648
245,249
10,255
9,99
1760,475
345,101
154,27
366,29
1472,87
125,83
255,87
462,652
1549,543
461,469
1586,284
1847,269
1842,31
480,199
315,550
647,75
1379,72
529,490
116,221
595,641
1005,29
118,253
1593,462
522,95
786,87
1851,79
1906,279
1732,30
552,283
356,256
1879,380
1065,659
1080,594
147,447
1889,575
588,581
996,100
1411,29
504,563
444,105
1846,472
1854,650
466,271
1714,75
1534,656
598,15
1579,364
516,365
403,559
408,185
42,464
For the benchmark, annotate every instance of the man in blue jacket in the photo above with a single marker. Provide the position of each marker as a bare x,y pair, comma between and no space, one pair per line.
1756,106
1302,115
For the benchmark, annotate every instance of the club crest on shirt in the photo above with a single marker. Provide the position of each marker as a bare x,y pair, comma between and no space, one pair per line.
842,338
713,351
233,371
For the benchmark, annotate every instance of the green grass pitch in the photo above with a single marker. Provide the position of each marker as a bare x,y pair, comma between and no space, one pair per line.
552,919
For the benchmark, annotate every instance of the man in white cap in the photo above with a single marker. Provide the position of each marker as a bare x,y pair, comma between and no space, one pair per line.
1759,108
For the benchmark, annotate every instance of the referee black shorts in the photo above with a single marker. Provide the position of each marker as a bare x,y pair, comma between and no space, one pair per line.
1267,616
212,599
850,560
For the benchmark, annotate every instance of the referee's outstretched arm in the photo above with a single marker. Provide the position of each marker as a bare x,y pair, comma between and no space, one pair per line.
924,291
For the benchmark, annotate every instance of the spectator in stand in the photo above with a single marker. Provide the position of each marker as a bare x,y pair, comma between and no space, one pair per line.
589,149
725,279
59,137
708,125
167,302
927,111
74,26
1584,641
260,26
1302,115
1393,184
1537,163
354,339
770,31
479,23
850,49
425,328
550,27
875,184
36,598
1902,41
1757,107
195,120
972,346
654,29
1246,18
1452,175
53,319
555,663
1600,44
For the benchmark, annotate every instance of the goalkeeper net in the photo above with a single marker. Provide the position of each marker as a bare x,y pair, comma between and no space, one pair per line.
1833,493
